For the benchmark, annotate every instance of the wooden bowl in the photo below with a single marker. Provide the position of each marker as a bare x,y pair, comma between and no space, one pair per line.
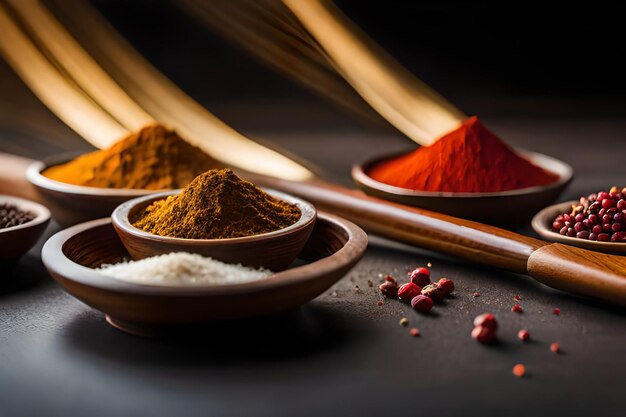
71,204
542,224
334,247
500,208
274,250
17,240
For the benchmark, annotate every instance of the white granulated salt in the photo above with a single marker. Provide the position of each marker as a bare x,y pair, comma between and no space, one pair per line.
182,269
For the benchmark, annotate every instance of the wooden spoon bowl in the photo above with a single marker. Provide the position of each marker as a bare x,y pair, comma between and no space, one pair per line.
274,250
500,208
17,240
334,247
71,204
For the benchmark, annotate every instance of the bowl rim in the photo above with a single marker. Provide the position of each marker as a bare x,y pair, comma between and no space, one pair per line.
34,174
59,264
565,176
119,218
42,214
539,225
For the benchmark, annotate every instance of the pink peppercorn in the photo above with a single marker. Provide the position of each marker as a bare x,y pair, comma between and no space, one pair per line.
519,370
555,347
523,335
420,276
414,332
391,279
434,292
487,320
556,311
422,303
408,291
517,308
446,285
483,334
518,297
388,289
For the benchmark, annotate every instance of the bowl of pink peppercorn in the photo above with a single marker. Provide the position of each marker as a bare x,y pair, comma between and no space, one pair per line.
596,222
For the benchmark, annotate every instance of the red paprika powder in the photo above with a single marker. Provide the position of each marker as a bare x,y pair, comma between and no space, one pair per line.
469,159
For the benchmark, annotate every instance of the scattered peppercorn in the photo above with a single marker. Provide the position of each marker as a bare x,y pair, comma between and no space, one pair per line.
555,347
600,217
523,335
476,294
519,370
370,283
420,276
422,303
556,311
430,265
404,321
517,308
414,332
11,216
389,289
380,303
487,320
433,291
407,291
446,285
391,279
517,297
484,335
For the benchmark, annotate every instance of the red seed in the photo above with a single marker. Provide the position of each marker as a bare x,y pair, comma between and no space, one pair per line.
380,303
420,276
422,303
414,332
484,334
433,291
555,347
519,370
487,320
523,335
556,311
388,289
517,308
476,294
446,285
407,291
517,297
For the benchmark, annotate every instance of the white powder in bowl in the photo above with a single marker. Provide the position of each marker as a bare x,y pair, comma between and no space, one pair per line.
182,269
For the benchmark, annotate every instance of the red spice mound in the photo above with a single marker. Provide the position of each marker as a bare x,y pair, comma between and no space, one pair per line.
468,159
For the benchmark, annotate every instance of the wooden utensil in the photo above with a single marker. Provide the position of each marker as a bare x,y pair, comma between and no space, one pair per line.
334,248
273,250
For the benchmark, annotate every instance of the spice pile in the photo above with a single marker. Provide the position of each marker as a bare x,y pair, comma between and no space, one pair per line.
216,205
11,216
419,291
600,216
154,158
469,159
182,269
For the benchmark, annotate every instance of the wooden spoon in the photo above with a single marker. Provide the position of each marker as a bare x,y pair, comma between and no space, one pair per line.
559,266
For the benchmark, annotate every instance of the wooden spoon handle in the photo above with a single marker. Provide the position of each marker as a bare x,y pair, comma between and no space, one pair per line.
580,271
465,239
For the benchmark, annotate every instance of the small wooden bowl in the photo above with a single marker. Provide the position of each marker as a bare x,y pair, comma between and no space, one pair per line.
542,224
274,250
500,208
17,240
71,204
334,247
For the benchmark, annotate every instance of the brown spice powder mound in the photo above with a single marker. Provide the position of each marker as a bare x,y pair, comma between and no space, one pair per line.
154,158
216,205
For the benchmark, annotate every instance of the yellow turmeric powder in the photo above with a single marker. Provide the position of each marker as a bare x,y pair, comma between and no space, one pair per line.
154,158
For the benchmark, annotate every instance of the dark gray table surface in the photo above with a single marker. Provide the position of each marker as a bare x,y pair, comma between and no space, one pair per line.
340,354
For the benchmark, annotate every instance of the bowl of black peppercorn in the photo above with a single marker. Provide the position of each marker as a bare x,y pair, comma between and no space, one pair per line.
22,222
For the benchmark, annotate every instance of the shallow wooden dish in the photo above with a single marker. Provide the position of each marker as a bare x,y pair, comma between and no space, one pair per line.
17,240
333,248
274,250
500,208
71,204
542,224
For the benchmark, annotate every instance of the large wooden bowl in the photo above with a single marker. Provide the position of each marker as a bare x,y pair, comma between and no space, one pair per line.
17,240
71,255
71,204
274,250
500,208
